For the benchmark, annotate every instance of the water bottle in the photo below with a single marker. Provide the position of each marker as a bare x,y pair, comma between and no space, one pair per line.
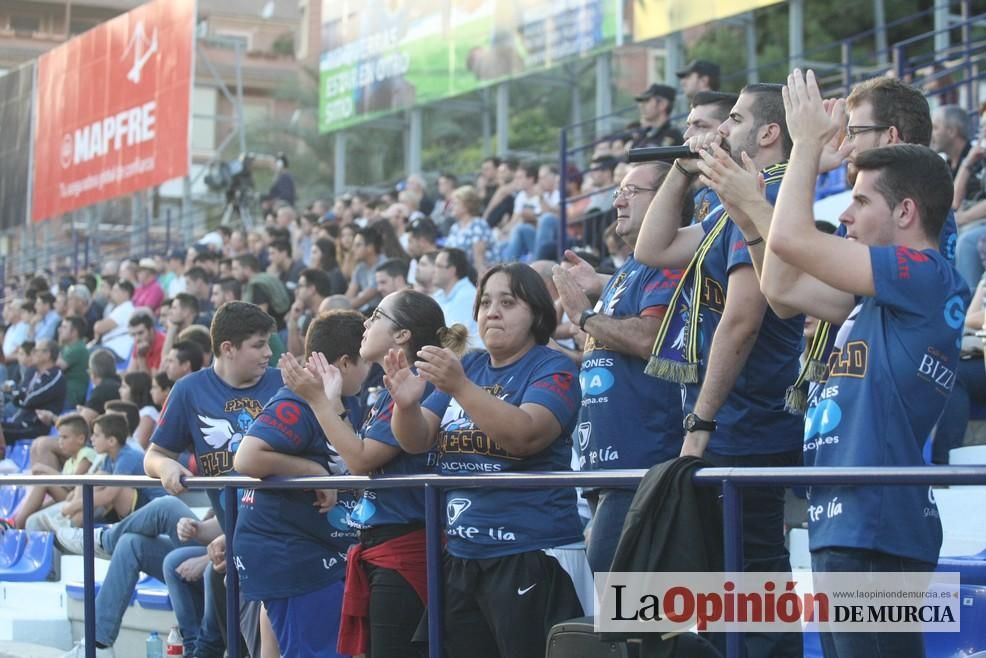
175,646
154,647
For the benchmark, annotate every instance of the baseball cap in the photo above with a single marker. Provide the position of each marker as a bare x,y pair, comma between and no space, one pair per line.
700,66
656,90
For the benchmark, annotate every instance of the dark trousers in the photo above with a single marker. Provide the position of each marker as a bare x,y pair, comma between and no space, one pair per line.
395,612
763,547
868,645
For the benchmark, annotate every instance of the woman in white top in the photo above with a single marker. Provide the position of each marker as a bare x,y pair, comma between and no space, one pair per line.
136,388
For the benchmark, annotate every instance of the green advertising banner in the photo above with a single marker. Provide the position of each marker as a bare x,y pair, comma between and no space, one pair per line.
380,56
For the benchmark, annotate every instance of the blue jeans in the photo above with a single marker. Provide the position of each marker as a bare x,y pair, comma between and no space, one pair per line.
136,544
609,509
968,261
197,620
520,243
869,645
546,237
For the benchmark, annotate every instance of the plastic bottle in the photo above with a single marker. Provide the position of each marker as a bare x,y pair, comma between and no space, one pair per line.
175,645
155,649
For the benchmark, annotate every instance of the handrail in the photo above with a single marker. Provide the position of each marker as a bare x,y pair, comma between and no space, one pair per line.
731,479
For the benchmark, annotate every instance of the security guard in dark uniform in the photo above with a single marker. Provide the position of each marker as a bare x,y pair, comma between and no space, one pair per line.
655,111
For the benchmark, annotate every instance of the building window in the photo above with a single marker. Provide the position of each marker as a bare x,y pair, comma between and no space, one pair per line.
25,23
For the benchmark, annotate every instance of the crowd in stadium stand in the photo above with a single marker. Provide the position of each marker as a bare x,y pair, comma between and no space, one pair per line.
442,331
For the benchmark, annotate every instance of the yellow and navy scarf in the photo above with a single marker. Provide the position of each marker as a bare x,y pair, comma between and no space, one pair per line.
813,370
677,359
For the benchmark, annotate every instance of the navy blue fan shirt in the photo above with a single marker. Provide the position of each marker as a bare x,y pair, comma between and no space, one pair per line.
889,376
391,506
205,414
612,432
752,420
284,547
489,523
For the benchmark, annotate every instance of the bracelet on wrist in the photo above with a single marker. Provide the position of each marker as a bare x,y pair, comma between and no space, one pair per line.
755,241
683,171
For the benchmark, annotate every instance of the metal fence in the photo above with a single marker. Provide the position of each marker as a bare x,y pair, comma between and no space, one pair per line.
731,480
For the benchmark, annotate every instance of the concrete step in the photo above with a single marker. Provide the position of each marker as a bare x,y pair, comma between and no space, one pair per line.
137,625
50,629
30,597
27,650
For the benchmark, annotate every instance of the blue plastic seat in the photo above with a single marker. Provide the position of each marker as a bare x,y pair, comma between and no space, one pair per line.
152,594
20,454
971,567
11,547
37,560
10,497
75,589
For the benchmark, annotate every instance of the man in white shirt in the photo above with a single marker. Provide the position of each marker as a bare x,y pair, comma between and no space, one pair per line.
455,293
112,331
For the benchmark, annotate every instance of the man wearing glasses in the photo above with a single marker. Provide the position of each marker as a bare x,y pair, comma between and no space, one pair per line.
612,432
455,293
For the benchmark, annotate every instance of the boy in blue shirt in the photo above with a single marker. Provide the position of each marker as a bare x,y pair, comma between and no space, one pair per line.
291,544
901,306
109,438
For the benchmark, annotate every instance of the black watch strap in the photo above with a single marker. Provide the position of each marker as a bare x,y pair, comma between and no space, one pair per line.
693,423
586,314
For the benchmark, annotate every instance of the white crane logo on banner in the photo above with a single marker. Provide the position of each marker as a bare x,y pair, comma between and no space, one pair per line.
138,43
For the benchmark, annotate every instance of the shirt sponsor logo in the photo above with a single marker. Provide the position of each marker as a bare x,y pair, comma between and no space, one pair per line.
596,381
933,369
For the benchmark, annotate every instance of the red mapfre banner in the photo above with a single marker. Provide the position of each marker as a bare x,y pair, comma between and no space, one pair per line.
113,108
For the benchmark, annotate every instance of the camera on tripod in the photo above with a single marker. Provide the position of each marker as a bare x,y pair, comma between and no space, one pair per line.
235,179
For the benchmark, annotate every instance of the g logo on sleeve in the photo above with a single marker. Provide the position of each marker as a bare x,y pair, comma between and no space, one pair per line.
954,312
288,413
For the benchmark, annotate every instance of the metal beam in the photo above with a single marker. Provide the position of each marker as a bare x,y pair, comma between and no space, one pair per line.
750,30
339,158
412,158
604,92
941,32
796,32
880,32
502,119
486,123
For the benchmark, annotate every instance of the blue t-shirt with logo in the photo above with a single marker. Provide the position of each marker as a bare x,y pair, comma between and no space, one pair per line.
612,432
130,461
284,547
381,507
888,378
752,420
489,523
205,414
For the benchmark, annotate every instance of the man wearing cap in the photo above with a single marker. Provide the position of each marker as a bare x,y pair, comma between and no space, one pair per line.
148,292
655,122
699,75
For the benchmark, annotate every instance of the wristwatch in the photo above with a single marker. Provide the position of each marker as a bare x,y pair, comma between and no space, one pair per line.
586,314
693,423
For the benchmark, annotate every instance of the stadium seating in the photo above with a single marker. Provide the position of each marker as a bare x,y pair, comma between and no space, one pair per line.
10,498
36,562
152,594
20,454
11,548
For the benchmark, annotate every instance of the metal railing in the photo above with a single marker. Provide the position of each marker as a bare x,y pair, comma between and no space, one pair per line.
732,481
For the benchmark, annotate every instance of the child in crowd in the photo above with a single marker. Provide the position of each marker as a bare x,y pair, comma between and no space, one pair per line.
290,544
136,388
73,439
109,438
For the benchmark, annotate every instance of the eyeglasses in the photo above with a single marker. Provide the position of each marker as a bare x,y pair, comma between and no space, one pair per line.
630,191
852,132
377,314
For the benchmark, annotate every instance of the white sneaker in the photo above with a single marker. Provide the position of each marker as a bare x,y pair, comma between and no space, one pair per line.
79,651
72,541
8,467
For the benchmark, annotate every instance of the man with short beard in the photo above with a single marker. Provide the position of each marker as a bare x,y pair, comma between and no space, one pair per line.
739,358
